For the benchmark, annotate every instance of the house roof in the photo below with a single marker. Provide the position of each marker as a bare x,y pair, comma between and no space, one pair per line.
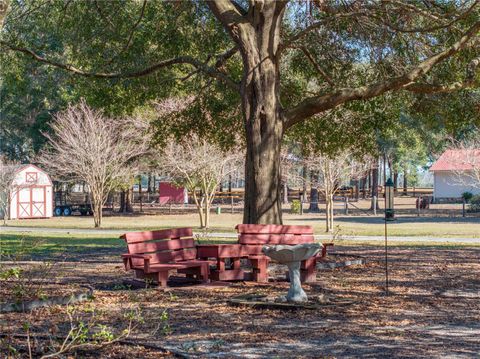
457,160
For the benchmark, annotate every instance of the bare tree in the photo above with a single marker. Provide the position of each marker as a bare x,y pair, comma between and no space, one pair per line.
464,158
7,174
88,146
199,166
332,170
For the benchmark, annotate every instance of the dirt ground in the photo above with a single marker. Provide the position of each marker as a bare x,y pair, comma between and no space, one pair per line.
433,310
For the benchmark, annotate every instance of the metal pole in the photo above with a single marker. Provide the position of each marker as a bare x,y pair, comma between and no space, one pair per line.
386,248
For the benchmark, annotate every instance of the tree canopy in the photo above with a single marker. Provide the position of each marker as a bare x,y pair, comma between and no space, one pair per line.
268,66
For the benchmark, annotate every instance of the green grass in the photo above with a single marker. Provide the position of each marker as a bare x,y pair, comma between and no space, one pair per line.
32,244
47,244
349,225
83,245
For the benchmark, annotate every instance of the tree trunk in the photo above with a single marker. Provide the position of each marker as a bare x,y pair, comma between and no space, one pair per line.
405,180
370,182
258,42
285,192
327,214
199,205
313,200
395,180
207,213
122,202
97,214
374,190
330,217
304,189
127,201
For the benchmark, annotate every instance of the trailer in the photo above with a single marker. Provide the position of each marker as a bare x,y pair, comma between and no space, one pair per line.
68,203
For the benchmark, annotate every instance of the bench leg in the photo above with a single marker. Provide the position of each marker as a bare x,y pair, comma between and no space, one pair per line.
162,278
309,270
236,263
204,271
259,268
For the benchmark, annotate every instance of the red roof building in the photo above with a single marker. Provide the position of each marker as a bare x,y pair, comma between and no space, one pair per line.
455,173
457,160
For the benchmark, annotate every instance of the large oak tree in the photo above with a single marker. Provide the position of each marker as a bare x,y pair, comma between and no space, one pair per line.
281,63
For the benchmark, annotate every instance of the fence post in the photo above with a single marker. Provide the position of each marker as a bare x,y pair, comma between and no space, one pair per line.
419,206
374,205
463,208
346,205
231,203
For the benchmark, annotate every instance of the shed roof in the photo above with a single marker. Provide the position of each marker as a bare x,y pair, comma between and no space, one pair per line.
457,160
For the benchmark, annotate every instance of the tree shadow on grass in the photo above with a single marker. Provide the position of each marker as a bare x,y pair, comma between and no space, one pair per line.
399,220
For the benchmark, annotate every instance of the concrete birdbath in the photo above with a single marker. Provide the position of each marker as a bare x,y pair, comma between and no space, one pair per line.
292,257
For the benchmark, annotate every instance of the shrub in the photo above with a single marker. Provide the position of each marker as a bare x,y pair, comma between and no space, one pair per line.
475,203
467,196
295,206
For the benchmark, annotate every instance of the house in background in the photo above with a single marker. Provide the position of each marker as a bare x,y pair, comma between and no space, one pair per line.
451,174
31,193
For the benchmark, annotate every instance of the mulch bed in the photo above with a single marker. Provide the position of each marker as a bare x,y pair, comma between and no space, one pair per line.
433,310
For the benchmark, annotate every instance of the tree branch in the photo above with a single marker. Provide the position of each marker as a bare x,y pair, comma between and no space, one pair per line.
469,82
315,25
212,72
130,36
317,104
227,13
317,66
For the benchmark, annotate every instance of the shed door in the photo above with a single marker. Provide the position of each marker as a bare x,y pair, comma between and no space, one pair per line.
31,202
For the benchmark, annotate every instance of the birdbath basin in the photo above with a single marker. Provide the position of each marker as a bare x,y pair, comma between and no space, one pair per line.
292,256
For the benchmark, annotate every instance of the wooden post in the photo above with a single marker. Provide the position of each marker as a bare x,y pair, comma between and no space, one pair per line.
346,205
374,205
419,205
301,207
463,208
231,202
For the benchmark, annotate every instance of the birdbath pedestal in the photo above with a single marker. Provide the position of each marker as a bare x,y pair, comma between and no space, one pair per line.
292,256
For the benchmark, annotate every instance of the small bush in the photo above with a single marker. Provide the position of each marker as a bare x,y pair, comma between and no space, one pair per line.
467,196
295,206
475,203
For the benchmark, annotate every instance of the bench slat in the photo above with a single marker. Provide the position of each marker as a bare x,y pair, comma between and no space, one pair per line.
134,237
289,239
173,244
168,266
273,229
168,257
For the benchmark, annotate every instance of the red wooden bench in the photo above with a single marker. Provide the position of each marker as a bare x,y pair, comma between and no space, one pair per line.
253,237
154,254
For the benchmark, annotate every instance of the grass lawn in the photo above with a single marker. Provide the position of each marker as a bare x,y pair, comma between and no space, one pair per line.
349,225
31,244
80,246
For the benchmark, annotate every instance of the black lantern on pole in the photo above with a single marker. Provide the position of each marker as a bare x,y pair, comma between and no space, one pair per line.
389,216
389,196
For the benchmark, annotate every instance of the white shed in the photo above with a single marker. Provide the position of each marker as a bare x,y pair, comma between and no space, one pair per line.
452,174
31,194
